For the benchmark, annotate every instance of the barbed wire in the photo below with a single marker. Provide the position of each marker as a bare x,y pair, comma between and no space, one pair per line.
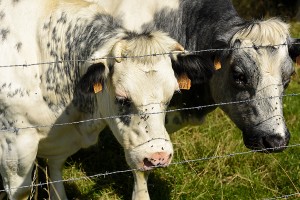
167,111
16,129
284,196
154,167
147,55
174,163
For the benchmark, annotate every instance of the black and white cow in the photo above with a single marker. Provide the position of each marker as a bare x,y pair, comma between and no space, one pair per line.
258,72
77,87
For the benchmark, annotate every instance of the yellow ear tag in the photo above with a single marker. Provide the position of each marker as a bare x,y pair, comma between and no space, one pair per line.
97,87
217,64
184,82
298,61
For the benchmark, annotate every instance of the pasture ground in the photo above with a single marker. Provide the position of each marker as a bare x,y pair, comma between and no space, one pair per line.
249,176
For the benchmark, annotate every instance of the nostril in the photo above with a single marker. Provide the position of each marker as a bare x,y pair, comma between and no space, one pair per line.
148,163
159,159
274,142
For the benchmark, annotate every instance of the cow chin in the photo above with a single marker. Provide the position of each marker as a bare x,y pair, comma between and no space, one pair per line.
151,154
266,143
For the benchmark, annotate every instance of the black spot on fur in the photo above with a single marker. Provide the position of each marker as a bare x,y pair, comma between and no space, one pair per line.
20,92
63,18
126,120
15,1
4,33
80,37
125,107
19,46
125,110
47,25
5,121
2,15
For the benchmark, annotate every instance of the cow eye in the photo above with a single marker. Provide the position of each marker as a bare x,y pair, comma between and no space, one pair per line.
239,77
123,101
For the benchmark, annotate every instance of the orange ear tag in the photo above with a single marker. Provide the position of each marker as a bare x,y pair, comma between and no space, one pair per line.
97,87
184,82
298,61
217,64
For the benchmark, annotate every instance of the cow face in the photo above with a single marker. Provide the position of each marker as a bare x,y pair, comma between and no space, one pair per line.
144,91
136,92
260,74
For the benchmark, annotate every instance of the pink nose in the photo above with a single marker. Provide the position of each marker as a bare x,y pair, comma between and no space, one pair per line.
158,159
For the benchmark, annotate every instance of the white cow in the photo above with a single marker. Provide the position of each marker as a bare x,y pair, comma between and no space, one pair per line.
78,87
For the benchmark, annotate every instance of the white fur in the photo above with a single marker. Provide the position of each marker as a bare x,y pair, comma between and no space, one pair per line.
134,13
149,83
268,32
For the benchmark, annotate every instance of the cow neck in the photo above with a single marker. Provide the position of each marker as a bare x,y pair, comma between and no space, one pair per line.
70,38
199,24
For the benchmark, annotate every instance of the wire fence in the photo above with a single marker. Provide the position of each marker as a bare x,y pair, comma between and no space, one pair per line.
148,55
284,196
16,129
172,164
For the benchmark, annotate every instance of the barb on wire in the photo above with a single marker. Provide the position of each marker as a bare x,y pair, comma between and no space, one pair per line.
168,111
284,196
16,129
174,163
235,154
147,55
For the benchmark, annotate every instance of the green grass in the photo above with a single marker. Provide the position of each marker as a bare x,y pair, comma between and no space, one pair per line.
249,176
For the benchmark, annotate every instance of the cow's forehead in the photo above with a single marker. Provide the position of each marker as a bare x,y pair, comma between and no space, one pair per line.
264,33
145,74
140,82
262,44
269,59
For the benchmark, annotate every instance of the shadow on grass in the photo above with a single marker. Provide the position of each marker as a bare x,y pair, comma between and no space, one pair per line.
105,157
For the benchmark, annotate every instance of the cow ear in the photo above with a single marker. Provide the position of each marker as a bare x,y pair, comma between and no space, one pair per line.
92,81
198,68
294,50
183,80
117,51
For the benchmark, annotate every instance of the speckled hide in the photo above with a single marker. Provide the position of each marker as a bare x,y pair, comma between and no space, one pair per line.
49,68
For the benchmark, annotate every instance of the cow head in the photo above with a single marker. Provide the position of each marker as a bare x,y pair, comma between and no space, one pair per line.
258,68
135,91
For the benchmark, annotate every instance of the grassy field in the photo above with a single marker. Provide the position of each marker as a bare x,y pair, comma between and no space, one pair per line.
249,176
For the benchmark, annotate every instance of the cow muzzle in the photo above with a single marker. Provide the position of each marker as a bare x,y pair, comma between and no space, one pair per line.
158,159
157,152
267,143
